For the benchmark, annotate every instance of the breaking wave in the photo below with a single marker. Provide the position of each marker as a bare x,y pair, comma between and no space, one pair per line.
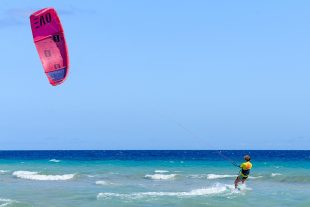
275,174
6,202
215,176
218,176
3,171
103,182
214,190
255,177
161,171
54,160
29,175
161,176
275,177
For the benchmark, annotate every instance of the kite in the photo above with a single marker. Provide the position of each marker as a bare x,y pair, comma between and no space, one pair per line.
49,39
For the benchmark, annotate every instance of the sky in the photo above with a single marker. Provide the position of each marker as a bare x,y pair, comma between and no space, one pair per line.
160,75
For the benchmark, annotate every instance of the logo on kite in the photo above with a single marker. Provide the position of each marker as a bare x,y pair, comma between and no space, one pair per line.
49,39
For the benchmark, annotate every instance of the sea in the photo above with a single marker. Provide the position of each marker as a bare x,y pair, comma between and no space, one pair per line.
153,178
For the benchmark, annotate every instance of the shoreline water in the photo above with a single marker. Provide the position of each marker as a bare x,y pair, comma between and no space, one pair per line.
151,178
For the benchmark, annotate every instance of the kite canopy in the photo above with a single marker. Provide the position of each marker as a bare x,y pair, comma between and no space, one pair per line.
48,36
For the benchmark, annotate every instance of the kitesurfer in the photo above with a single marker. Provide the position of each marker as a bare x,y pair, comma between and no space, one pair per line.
245,170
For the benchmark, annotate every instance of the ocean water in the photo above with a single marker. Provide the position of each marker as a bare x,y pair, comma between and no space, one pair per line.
152,179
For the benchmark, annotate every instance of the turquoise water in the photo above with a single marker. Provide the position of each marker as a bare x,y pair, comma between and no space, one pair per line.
123,180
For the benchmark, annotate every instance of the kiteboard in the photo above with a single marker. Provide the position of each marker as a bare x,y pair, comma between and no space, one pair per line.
49,39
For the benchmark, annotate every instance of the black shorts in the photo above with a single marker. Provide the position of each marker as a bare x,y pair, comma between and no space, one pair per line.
241,177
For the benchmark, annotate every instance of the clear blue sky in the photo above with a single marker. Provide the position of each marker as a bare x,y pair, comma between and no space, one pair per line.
160,75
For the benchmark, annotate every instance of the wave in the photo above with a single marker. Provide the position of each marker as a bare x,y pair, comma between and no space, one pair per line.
214,190
3,171
161,176
218,176
103,182
215,176
275,177
275,174
29,175
54,160
6,202
161,171
255,177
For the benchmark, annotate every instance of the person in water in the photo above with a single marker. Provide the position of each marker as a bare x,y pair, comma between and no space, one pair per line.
245,170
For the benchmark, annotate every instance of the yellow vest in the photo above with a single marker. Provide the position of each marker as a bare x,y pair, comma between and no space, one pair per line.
245,169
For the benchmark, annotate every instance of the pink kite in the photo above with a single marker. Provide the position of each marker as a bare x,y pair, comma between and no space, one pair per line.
48,36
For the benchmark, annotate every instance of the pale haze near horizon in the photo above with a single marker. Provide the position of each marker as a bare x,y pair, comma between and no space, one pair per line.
160,75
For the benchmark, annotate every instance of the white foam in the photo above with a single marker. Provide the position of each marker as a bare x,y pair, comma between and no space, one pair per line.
6,202
216,189
3,171
161,171
255,177
161,176
215,176
102,182
29,175
54,160
275,174
241,188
